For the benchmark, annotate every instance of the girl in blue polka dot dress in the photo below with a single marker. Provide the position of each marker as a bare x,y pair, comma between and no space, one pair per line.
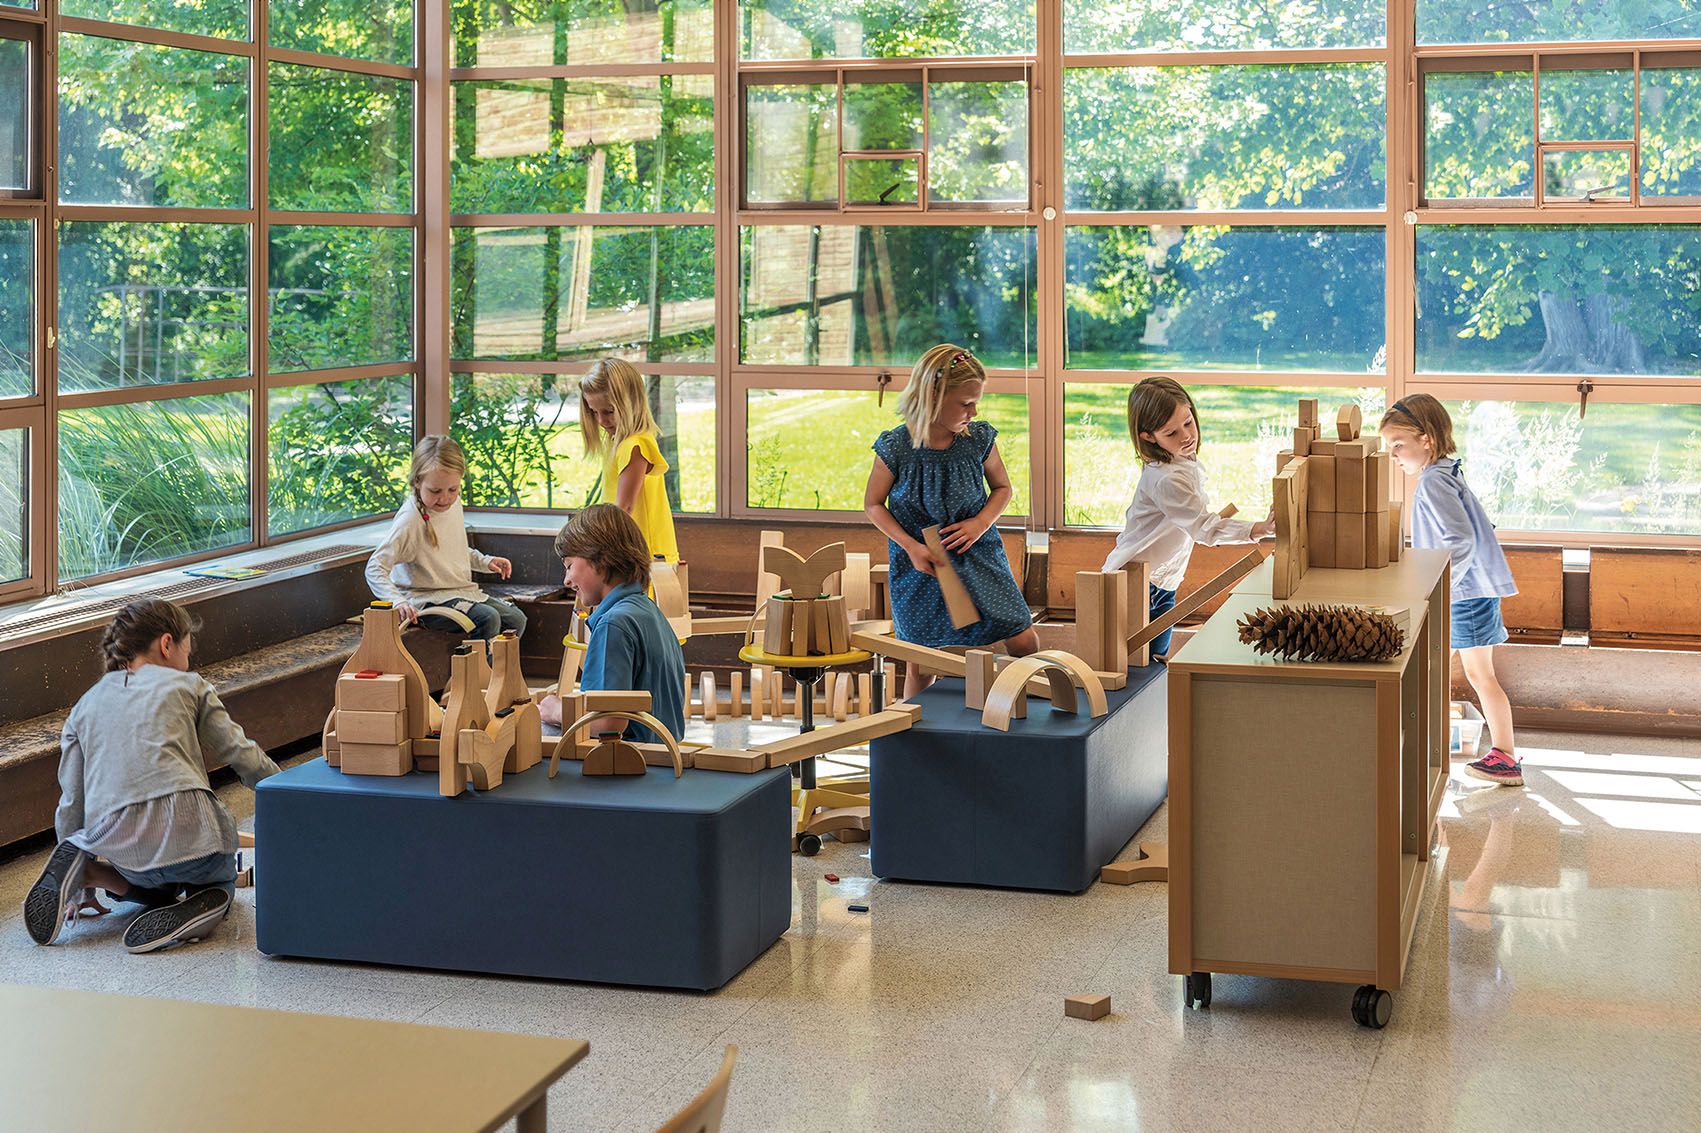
941,468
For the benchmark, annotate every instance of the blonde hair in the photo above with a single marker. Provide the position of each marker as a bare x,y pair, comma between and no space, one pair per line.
622,384
1422,414
942,369
609,539
433,451
1151,404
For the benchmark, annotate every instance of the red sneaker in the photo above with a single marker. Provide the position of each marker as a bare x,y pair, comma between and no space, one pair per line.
1497,767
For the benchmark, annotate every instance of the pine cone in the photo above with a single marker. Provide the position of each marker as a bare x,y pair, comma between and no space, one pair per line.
1322,633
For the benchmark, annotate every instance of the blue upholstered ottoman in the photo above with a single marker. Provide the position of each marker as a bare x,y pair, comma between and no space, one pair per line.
645,880
1041,806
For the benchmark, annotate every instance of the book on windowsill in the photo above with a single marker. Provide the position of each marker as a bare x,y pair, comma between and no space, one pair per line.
233,572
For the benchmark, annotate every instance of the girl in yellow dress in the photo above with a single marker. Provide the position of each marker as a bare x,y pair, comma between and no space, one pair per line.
614,412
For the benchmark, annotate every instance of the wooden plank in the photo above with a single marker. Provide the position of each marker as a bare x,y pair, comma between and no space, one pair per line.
728,759
823,740
957,601
767,585
979,674
1221,584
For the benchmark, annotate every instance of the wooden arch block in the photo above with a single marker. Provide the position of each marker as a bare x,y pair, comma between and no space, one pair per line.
805,578
1007,699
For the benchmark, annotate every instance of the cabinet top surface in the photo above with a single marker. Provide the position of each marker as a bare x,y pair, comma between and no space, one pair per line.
1406,585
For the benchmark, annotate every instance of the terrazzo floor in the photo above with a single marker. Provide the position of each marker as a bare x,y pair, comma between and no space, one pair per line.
1555,983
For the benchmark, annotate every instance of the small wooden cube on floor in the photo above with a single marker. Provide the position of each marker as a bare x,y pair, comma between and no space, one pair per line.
1087,1007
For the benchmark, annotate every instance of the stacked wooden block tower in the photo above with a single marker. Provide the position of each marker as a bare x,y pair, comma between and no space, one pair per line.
1332,499
803,620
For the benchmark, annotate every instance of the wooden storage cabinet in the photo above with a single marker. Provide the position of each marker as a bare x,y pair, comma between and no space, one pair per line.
1303,796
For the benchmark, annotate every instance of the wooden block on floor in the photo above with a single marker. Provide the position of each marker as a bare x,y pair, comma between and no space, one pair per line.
711,699
1153,865
758,694
383,693
1087,1007
736,698
1378,474
1321,532
1320,489
864,693
1349,540
377,759
372,727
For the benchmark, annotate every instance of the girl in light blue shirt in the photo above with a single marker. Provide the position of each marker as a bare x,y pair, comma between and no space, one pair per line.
1446,515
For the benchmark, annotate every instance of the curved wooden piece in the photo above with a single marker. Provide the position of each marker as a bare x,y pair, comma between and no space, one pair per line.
703,1113
1151,865
381,648
614,756
506,684
1348,422
464,711
1007,699
643,718
328,740
478,753
805,578
527,751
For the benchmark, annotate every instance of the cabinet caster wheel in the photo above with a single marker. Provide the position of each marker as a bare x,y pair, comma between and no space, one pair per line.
1196,990
809,844
1372,1007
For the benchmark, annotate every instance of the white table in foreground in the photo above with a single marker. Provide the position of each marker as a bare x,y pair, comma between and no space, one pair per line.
90,1062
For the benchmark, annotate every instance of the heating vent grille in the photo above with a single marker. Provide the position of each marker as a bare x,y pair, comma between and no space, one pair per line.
97,607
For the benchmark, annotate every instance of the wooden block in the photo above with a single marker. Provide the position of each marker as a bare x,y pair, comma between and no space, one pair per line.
855,584
838,624
385,693
1320,489
758,695
805,578
978,675
1323,446
727,759
864,694
1302,441
957,601
1282,458
1353,450
737,695
1349,420
1151,865
1322,534
820,636
377,759
711,702
841,696
1375,540
618,700
776,694
1229,511
776,631
1372,442
802,627
372,727
1395,531
1101,620
1349,540
1378,474
766,584
1087,1007
1349,483
1308,411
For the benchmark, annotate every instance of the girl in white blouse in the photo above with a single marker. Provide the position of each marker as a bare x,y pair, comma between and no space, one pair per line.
1170,511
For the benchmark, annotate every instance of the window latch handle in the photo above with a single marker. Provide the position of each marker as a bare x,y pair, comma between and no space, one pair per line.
1584,388
883,380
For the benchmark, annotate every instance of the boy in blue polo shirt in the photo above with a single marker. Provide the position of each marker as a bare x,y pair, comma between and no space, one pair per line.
630,644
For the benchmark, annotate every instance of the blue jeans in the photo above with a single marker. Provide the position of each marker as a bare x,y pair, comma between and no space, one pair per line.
1159,603
489,617
164,885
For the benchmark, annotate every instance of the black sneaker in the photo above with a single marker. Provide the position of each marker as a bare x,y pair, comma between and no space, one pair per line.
190,919
52,900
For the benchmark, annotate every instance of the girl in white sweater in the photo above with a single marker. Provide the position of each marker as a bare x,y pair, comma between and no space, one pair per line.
425,559
1170,511
136,814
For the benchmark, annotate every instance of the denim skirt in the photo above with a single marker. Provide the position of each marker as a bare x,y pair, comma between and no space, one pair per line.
1475,622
